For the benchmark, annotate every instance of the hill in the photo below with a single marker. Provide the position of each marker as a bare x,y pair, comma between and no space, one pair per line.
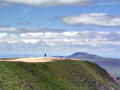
57,75
85,56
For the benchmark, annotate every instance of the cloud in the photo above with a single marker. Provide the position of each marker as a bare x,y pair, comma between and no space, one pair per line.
22,30
31,34
108,3
105,2
6,28
40,30
4,4
30,41
100,19
70,33
8,3
54,37
24,23
48,2
2,35
69,38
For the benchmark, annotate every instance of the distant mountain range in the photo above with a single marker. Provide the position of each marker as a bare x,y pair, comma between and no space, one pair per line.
85,56
89,57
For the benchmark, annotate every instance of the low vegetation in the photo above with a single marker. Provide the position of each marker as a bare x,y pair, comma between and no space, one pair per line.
58,75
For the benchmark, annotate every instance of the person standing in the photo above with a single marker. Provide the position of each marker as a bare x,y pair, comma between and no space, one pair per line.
45,55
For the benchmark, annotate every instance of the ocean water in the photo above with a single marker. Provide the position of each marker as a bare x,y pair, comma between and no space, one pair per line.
111,67
114,70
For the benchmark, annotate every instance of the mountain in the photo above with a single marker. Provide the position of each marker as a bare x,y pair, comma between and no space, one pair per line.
57,75
89,57
85,56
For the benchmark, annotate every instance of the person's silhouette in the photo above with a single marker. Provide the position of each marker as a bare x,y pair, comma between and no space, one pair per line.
45,55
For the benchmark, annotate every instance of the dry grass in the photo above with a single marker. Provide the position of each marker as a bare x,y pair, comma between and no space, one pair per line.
34,59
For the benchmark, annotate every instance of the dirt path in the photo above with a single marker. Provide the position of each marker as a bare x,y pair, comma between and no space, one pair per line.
33,59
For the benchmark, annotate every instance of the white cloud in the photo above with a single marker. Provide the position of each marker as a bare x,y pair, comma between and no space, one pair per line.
3,35
63,38
30,41
101,19
48,2
51,35
8,29
31,34
70,33
11,41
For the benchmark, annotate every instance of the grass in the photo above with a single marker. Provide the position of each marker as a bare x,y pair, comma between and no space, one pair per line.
58,75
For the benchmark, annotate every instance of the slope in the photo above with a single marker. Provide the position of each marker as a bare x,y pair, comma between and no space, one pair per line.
58,75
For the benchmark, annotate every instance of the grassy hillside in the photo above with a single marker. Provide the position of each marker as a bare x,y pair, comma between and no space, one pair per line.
58,75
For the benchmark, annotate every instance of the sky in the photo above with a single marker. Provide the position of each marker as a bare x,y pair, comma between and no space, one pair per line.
60,27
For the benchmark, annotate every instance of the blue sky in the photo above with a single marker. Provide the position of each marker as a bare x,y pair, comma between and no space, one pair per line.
58,27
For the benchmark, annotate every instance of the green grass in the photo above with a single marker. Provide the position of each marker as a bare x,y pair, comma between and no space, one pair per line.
58,75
